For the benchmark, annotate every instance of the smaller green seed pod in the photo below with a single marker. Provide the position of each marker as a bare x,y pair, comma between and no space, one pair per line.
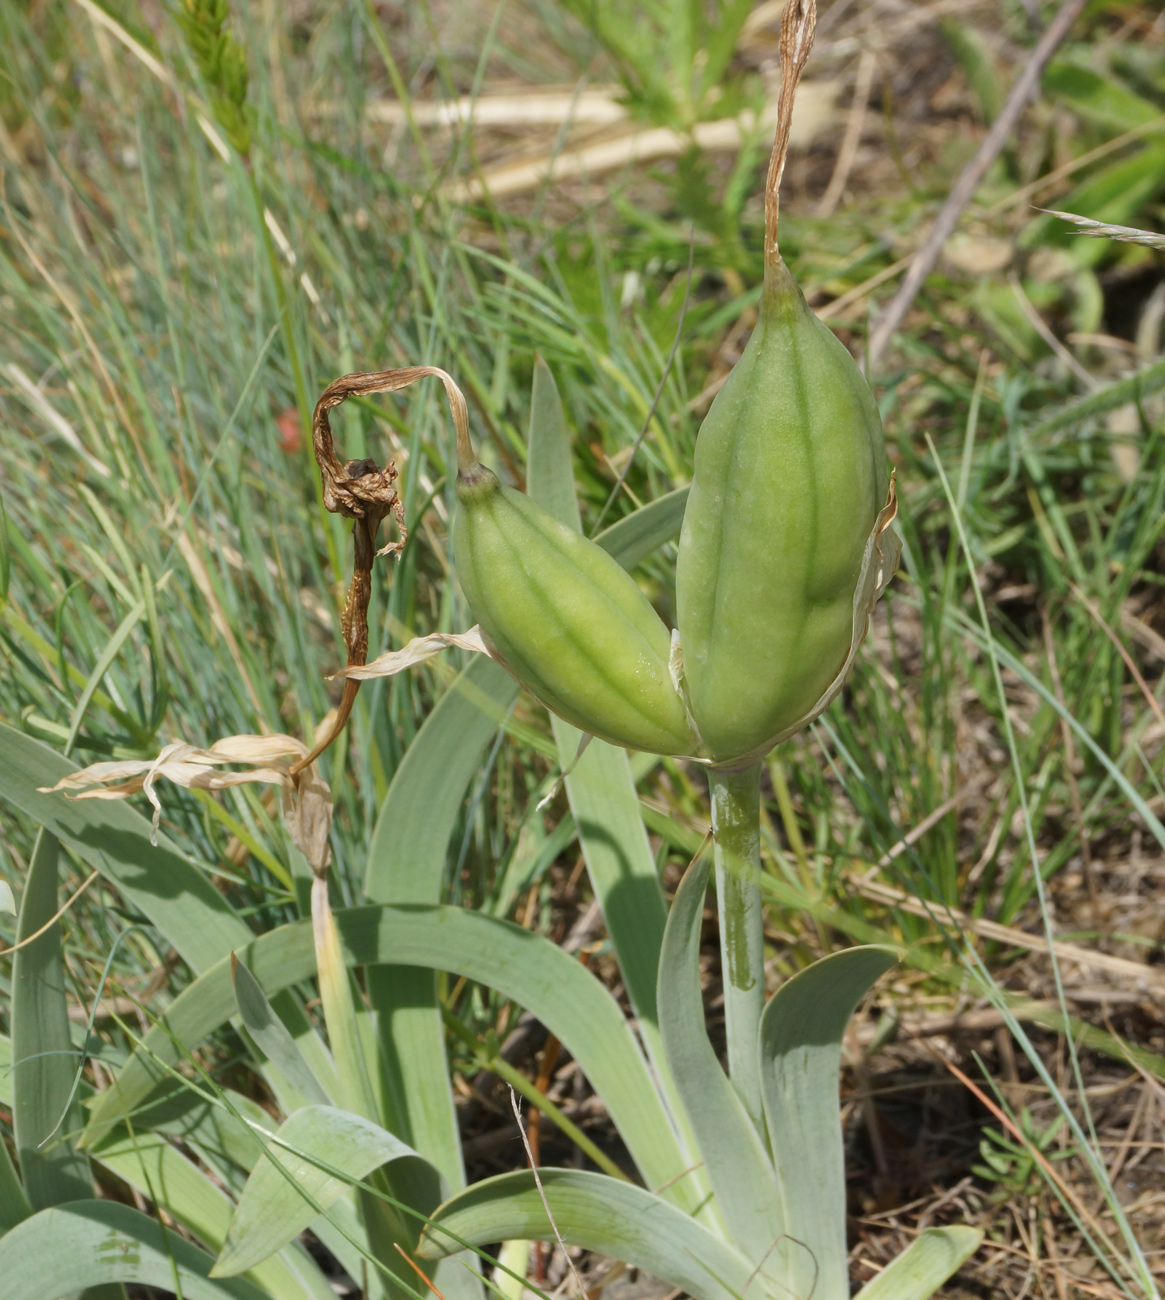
564,618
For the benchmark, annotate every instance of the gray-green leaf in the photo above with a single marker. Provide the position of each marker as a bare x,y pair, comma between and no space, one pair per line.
600,1214
800,1056
87,1243
313,1159
924,1265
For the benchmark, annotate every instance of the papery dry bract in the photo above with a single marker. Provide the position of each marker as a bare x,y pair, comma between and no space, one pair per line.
307,801
189,766
306,806
417,651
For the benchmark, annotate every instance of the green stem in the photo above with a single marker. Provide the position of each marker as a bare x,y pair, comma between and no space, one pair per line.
736,847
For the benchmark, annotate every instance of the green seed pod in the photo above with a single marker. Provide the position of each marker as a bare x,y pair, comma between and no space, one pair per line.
565,618
784,547
789,482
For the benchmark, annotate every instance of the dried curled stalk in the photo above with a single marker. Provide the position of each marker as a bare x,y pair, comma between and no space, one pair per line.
364,493
798,23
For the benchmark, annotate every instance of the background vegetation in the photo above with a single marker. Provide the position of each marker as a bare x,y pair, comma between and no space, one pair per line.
189,254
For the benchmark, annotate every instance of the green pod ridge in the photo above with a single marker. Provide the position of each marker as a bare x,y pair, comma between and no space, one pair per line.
566,619
784,545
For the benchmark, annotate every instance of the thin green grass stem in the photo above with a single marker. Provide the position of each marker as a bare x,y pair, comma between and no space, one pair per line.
736,849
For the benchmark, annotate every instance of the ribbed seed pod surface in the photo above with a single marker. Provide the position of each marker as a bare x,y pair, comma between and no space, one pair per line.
790,479
566,619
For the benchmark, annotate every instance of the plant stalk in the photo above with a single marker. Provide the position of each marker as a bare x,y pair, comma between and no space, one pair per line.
736,849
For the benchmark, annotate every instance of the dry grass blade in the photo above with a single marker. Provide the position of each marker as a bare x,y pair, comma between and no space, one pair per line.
516,1106
400,1250
56,916
1150,699
1068,1194
815,111
1145,976
597,106
964,190
847,154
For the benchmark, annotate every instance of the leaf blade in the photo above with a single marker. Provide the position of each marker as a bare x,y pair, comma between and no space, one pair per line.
800,1057
634,537
149,1163
44,1060
87,1243
600,1214
524,966
924,1265
736,1161
299,1176
272,1037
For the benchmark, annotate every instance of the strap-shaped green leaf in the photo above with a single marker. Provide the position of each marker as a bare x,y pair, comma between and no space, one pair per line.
924,1265
14,1204
619,863
601,1214
638,534
314,1157
540,977
734,1156
229,1145
599,785
45,1112
601,790
549,467
87,1243
159,1171
406,864
270,1035
800,1056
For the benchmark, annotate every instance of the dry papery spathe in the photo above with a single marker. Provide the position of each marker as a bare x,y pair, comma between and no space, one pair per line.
306,802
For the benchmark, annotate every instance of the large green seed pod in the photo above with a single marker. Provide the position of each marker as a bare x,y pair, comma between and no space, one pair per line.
778,548
565,618
786,542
